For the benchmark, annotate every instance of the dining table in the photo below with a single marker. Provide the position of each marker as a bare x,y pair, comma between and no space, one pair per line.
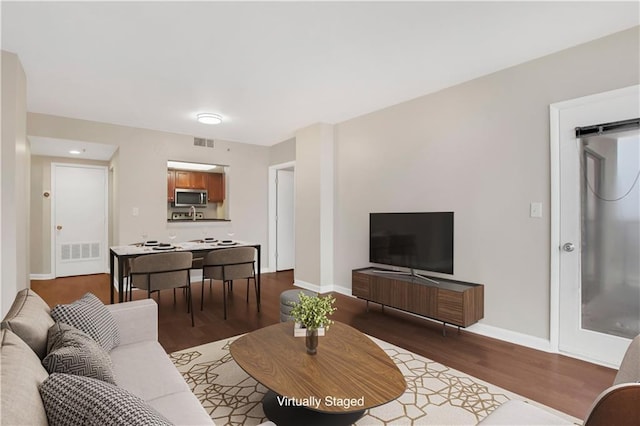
118,255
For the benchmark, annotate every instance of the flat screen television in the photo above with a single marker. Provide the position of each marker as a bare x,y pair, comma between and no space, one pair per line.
422,241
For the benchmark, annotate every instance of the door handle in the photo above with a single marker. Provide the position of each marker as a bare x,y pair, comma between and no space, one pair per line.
59,227
568,247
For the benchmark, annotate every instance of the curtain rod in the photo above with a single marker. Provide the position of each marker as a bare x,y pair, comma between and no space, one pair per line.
615,126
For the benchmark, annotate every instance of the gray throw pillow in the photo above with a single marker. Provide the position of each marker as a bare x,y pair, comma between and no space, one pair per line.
72,351
91,316
78,400
30,317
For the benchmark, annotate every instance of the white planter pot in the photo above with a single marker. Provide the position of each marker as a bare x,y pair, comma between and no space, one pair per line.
300,331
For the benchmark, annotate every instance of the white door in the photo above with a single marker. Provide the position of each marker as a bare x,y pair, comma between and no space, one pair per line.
285,242
79,219
598,237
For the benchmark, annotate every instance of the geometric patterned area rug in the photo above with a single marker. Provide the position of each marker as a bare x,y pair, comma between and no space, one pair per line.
435,394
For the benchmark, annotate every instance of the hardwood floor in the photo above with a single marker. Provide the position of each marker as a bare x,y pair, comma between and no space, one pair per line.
561,382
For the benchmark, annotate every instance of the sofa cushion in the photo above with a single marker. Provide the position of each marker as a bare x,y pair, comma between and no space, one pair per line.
182,408
29,318
74,400
72,351
21,374
147,360
91,316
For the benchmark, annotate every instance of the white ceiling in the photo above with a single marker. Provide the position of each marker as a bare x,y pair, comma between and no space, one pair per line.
272,68
53,147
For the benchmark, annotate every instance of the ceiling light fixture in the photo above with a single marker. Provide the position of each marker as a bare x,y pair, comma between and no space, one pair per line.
190,166
75,152
209,118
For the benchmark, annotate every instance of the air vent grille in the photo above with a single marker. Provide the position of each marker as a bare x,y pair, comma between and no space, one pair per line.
207,143
79,251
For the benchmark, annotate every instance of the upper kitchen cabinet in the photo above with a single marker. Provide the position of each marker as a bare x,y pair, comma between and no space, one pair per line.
215,187
171,185
190,180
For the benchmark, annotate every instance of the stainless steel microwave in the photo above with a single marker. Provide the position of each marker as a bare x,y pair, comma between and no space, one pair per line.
190,197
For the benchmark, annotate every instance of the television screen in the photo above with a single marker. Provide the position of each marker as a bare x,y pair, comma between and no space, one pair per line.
421,241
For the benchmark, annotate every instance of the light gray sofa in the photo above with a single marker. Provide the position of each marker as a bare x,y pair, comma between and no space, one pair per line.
140,364
617,405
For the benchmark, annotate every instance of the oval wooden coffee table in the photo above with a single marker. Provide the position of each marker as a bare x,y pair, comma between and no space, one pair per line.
348,375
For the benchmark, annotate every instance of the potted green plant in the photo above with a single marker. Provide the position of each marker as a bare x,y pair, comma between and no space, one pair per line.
312,312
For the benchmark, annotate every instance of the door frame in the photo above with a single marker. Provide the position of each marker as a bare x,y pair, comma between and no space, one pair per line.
105,257
273,190
555,110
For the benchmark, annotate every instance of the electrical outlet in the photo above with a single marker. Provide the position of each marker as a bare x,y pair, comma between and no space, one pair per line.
135,211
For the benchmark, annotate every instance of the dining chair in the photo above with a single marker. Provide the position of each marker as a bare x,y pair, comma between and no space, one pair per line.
161,271
227,265
128,288
196,263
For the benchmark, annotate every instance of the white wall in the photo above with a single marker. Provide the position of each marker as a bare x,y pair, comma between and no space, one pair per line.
283,152
480,149
314,197
140,178
14,187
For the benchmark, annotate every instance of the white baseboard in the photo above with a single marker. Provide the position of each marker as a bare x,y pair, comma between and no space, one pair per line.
324,289
306,285
495,333
529,342
342,290
38,277
511,337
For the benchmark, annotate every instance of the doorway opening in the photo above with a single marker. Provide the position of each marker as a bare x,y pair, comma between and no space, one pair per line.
79,233
282,216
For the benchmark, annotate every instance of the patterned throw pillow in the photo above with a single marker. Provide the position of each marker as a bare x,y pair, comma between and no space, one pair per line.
72,351
91,316
78,400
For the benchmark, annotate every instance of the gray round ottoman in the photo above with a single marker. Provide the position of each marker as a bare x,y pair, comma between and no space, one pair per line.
288,299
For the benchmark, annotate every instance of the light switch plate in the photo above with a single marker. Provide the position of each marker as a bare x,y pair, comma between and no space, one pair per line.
535,209
135,211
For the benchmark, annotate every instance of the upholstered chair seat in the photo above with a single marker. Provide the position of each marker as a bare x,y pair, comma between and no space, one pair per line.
227,265
161,271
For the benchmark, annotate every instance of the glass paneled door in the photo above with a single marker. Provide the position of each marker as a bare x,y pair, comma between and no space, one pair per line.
610,252
597,245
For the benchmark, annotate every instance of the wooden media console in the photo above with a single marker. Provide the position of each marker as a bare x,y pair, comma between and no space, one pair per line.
452,302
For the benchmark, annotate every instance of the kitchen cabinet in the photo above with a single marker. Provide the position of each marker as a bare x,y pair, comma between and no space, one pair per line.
215,187
182,179
190,180
199,180
171,185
